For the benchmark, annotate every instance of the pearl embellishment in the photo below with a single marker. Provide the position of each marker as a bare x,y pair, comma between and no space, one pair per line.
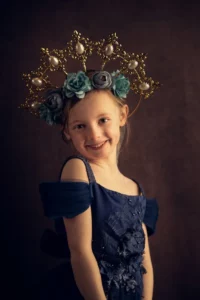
109,49
80,48
132,64
53,60
35,105
144,86
37,81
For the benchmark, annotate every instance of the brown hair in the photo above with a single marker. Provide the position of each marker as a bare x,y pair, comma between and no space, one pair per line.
124,131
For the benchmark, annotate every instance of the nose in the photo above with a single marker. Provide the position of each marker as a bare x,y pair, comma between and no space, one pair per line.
94,133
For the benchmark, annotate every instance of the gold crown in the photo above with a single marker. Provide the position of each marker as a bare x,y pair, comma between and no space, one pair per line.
80,48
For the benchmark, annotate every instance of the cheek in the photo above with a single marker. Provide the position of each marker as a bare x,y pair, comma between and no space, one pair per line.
76,139
114,132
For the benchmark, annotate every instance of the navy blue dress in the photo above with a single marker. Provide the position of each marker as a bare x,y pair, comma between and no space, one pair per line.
118,239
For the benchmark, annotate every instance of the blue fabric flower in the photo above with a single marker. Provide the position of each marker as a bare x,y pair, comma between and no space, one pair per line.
131,242
123,243
121,85
102,80
118,275
76,84
52,108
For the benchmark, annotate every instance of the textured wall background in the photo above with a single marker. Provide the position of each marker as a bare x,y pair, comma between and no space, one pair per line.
164,147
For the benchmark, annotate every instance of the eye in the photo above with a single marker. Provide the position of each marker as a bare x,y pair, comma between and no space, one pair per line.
104,119
78,127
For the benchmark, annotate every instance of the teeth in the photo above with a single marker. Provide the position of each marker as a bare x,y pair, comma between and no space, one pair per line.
97,146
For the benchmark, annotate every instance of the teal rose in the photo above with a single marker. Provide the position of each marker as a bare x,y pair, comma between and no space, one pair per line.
51,109
121,85
76,84
101,80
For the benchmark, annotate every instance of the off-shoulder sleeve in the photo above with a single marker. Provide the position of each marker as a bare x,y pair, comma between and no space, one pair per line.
151,215
64,199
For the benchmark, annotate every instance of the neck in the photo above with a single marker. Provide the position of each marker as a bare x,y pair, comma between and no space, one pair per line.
107,165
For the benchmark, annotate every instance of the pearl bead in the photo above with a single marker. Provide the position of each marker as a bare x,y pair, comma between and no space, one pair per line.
109,49
132,64
35,105
37,81
80,48
144,86
53,60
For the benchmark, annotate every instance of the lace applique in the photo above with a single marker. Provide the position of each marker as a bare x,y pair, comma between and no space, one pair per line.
122,275
122,249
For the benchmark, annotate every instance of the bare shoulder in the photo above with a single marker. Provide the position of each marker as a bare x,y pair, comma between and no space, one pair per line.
134,187
78,228
74,170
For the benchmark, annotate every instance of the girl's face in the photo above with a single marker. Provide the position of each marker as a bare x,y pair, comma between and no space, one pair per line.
96,121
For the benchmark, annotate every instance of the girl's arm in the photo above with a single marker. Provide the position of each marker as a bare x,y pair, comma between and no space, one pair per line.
148,278
87,276
79,235
83,262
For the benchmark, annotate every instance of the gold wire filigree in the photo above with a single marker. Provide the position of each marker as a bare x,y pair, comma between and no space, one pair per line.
80,48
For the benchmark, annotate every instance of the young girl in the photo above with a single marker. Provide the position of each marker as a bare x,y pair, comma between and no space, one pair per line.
102,217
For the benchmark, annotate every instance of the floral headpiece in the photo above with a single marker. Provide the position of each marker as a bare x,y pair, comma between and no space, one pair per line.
47,100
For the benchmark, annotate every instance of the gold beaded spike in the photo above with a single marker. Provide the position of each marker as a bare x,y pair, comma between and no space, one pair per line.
80,48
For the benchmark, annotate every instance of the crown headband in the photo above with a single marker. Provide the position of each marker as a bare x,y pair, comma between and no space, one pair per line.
47,101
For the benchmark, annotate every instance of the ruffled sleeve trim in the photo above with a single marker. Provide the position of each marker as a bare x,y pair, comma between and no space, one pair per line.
151,215
64,199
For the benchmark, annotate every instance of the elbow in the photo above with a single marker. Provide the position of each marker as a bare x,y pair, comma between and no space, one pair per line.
77,254
147,262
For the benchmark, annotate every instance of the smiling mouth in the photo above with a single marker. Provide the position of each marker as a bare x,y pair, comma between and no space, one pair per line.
97,145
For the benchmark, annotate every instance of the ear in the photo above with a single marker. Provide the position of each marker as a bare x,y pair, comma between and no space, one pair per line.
124,114
67,135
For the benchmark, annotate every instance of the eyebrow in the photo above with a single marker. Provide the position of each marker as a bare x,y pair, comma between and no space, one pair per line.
101,115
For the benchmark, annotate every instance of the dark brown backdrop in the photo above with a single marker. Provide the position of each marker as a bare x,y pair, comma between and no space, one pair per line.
163,153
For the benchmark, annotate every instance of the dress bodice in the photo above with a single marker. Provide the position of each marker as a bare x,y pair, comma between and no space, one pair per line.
118,239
